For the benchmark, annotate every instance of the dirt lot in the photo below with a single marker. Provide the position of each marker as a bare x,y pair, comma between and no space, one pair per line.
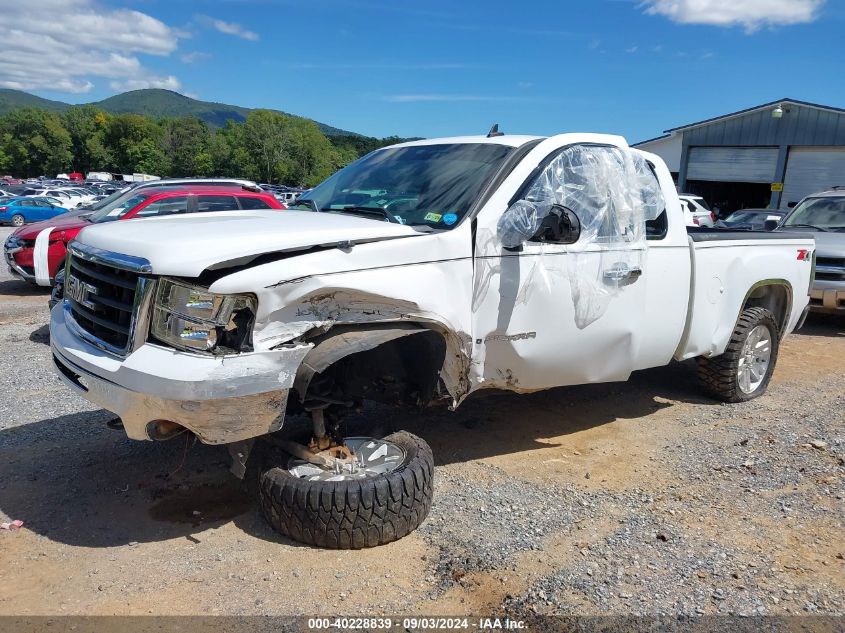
636,498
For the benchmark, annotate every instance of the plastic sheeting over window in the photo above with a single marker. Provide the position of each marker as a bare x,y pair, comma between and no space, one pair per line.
614,192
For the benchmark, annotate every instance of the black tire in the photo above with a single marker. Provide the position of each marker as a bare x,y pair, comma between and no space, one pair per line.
719,375
18,220
356,513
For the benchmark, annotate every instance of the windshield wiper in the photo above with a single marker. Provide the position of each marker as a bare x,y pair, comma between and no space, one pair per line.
369,212
808,226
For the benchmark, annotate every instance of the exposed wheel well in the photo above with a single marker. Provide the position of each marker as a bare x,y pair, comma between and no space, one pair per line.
776,297
402,370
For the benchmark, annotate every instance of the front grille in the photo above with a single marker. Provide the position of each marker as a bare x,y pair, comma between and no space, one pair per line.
830,268
838,262
102,300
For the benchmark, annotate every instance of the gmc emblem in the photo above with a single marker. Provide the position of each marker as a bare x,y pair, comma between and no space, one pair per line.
79,291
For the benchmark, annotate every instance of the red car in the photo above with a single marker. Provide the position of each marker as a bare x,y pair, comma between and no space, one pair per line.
36,252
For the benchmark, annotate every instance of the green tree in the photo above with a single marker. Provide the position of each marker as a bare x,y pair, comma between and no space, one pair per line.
310,157
87,125
230,155
34,142
186,142
133,141
267,134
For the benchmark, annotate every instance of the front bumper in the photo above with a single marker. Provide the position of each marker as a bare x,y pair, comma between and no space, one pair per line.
14,269
220,399
827,297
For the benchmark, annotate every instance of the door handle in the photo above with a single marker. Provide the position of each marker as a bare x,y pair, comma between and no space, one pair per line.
620,272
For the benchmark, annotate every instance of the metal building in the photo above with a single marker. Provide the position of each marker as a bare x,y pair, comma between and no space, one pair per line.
770,155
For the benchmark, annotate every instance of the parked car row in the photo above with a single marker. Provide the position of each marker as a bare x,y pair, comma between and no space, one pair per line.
36,253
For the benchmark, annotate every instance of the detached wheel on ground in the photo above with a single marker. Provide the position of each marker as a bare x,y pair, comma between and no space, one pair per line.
18,220
743,371
383,495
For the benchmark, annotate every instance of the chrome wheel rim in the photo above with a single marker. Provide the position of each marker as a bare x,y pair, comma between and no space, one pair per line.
17,220
370,458
754,359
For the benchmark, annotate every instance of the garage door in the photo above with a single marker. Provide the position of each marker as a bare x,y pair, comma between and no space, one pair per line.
810,170
732,164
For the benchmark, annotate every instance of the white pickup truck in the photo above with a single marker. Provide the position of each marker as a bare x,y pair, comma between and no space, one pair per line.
418,275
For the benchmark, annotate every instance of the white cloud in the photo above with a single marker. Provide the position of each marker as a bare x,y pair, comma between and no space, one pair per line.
62,45
633,49
169,83
194,57
752,14
231,28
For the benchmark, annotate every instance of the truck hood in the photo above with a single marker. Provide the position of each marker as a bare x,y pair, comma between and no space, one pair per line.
186,245
828,243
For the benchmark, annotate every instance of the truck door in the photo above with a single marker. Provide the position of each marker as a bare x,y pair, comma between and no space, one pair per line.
561,275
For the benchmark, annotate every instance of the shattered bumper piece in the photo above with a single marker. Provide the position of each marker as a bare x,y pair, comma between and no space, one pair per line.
220,399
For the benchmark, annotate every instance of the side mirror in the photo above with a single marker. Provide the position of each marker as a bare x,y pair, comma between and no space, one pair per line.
560,226
791,205
526,220
770,225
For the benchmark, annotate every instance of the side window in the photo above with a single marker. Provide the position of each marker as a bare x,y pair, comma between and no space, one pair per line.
612,193
216,203
26,203
253,203
43,204
167,206
658,228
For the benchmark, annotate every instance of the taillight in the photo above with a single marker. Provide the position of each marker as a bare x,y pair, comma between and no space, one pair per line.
712,217
696,222
3,208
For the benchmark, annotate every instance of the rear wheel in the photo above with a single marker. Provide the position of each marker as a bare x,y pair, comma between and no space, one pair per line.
380,494
18,220
743,371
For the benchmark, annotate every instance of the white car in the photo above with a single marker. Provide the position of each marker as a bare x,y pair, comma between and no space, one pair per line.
419,275
69,200
699,211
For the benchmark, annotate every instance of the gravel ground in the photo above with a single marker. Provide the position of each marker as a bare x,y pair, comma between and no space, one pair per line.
641,498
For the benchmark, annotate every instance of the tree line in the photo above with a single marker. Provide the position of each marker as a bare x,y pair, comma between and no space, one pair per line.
266,147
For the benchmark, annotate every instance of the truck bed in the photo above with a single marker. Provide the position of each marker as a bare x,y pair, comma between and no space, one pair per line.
728,268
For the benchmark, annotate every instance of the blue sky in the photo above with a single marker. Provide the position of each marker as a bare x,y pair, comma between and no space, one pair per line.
439,68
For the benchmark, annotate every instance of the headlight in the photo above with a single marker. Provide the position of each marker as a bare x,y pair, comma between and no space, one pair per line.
192,318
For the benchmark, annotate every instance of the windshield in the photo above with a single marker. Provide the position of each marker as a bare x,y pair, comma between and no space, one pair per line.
822,213
425,185
102,204
701,202
118,208
740,217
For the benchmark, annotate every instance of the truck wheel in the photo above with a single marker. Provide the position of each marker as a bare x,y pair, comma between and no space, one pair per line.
18,220
387,498
743,371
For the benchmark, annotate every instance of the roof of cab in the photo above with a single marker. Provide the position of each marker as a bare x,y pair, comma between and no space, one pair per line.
513,140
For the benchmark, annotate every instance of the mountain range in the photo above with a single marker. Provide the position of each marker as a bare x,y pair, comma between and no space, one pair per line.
153,102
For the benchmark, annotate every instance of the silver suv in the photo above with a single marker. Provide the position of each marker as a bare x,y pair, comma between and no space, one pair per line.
823,214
